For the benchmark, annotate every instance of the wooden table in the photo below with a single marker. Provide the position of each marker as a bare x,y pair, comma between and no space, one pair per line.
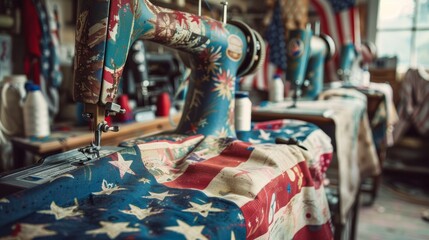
76,137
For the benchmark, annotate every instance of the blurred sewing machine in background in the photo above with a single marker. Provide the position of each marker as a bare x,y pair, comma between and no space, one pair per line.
307,54
150,73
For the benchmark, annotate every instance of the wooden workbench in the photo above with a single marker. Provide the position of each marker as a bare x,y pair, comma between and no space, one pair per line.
76,137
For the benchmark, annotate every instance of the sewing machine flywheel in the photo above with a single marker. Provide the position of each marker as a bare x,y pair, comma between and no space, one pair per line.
255,54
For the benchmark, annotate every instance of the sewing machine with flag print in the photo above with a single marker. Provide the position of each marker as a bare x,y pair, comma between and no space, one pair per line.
306,55
220,51
105,31
198,182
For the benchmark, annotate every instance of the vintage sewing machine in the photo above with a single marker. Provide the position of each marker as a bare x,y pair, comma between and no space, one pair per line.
348,56
307,54
203,185
106,30
221,52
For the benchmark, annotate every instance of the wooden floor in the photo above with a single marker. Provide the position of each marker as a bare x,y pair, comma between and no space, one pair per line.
393,216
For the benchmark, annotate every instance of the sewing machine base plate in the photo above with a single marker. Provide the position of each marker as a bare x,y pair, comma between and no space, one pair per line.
49,169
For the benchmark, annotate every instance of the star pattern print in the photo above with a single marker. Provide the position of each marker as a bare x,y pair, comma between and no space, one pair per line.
186,211
61,213
195,19
159,196
181,18
112,230
339,5
123,165
276,39
31,231
202,209
130,190
108,188
189,232
140,213
264,135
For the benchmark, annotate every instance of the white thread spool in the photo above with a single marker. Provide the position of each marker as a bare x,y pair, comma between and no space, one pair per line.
276,89
36,115
243,111
12,97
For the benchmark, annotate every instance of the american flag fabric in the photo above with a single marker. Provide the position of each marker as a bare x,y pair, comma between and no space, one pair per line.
340,20
276,38
350,133
190,188
286,15
260,80
304,134
275,61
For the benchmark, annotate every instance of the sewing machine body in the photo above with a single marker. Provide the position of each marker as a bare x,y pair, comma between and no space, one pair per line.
321,48
348,60
306,58
106,30
204,186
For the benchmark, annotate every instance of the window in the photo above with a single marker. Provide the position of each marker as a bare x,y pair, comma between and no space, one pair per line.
403,31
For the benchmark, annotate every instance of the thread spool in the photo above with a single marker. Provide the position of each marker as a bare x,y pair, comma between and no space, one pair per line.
243,112
276,89
128,115
36,115
12,97
163,105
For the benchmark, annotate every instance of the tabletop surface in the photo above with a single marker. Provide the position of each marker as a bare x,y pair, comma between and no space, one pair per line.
65,137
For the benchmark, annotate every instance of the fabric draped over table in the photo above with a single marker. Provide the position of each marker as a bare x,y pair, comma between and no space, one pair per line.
188,186
306,135
385,114
354,104
354,146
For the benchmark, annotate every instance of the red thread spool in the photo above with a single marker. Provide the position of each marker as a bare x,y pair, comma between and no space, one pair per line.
108,120
128,115
163,105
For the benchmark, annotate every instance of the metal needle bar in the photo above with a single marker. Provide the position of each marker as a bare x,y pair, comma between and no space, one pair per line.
225,10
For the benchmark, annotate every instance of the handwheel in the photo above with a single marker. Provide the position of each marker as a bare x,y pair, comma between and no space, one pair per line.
255,49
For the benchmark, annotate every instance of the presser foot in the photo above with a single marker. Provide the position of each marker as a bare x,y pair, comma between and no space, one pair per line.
91,152
97,115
